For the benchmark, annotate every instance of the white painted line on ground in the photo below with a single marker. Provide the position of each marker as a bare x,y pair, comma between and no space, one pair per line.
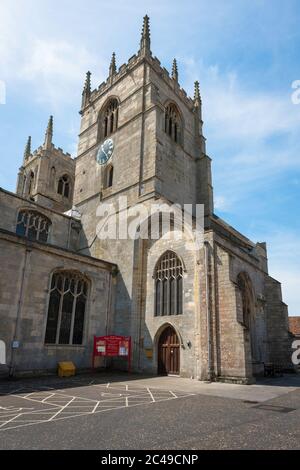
150,394
144,393
12,419
56,414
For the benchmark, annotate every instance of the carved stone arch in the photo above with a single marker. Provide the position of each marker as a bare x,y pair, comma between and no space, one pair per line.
168,101
76,272
28,208
162,255
168,347
162,328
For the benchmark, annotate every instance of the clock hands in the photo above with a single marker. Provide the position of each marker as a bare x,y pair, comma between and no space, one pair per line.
104,151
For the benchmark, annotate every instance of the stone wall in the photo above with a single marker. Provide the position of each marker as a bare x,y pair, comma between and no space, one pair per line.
24,295
65,232
279,342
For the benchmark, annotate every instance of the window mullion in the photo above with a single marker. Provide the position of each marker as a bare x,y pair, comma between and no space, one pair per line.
38,228
168,295
60,311
175,296
73,314
162,294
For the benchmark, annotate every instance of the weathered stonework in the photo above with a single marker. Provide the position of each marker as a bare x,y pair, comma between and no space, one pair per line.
150,165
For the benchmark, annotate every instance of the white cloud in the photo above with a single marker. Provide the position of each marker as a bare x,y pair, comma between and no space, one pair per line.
233,110
222,203
237,113
241,122
53,67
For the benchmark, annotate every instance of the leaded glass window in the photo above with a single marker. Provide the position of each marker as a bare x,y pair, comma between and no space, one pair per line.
33,225
63,187
66,310
108,123
173,122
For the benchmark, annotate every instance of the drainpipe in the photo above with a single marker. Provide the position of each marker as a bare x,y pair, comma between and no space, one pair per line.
208,313
19,311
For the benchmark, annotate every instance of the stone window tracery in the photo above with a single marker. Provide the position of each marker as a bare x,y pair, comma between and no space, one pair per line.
63,187
168,285
173,122
33,225
109,119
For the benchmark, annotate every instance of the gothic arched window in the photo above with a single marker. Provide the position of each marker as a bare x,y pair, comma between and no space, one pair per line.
66,308
108,119
33,225
109,176
63,187
173,122
168,285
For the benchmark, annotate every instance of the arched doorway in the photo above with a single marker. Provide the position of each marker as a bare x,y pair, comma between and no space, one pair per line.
168,352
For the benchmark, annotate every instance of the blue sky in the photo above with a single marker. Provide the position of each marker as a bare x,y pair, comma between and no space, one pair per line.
245,53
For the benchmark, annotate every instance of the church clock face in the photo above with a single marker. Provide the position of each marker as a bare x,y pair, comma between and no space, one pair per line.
105,151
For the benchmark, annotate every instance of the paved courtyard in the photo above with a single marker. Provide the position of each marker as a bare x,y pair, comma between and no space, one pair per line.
117,411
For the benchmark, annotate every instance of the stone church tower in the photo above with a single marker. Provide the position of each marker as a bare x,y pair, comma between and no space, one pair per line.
156,152
158,155
47,174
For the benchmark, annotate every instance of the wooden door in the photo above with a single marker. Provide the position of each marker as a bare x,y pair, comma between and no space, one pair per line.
168,352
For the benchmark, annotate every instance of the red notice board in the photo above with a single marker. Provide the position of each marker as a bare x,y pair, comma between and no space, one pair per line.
112,346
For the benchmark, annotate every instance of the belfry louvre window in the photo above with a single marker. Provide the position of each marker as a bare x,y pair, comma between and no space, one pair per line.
66,310
109,118
168,285
64,186
173,122
33,225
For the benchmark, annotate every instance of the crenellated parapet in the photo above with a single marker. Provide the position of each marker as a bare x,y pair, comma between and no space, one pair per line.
55,151
143,55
